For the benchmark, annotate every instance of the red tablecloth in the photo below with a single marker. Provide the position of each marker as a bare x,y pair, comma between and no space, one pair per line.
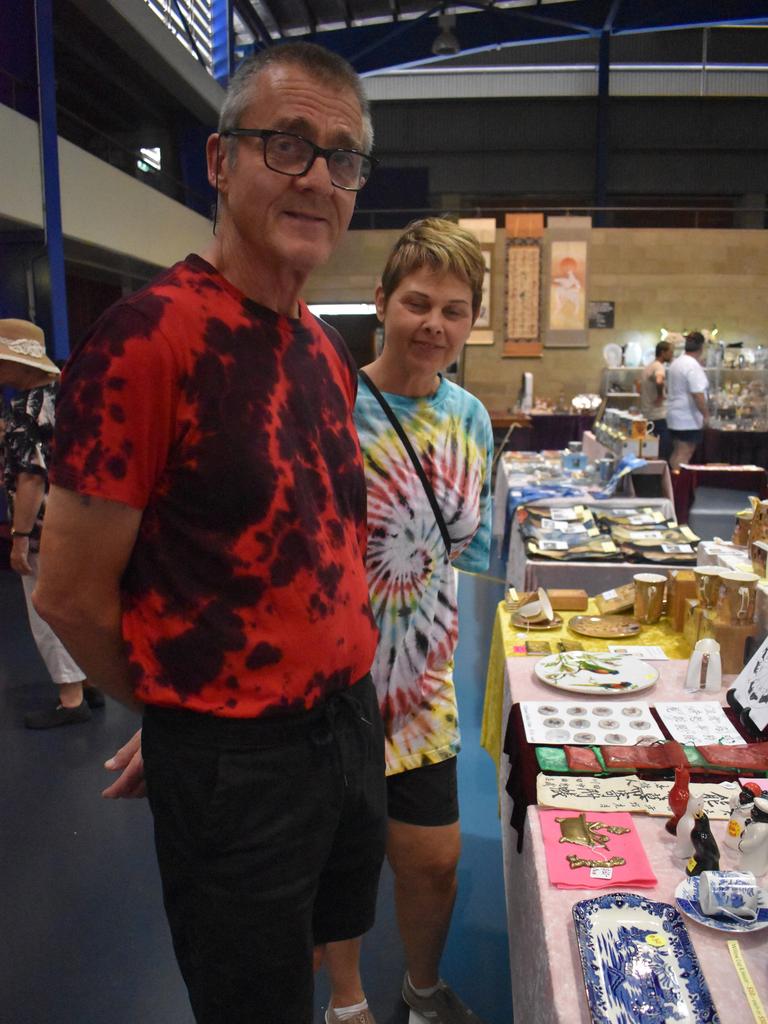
737,478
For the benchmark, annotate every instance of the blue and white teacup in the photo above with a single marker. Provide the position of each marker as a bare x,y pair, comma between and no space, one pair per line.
732,893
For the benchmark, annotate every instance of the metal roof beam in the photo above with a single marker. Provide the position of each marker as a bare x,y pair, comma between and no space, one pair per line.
408,43
254,23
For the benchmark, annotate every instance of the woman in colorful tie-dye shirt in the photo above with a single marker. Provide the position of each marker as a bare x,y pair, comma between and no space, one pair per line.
428,300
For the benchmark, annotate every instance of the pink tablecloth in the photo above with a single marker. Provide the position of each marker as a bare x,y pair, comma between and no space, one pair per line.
547,985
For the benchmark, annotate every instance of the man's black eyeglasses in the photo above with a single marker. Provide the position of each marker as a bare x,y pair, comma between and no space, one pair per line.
291,154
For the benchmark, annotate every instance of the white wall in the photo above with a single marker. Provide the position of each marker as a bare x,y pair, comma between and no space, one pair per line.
99,204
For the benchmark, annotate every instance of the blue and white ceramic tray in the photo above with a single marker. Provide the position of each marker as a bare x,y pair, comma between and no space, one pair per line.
638,962
687,898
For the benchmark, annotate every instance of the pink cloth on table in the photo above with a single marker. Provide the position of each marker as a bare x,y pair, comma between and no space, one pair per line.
635,872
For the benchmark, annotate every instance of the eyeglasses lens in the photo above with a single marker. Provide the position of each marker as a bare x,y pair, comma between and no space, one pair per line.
288,154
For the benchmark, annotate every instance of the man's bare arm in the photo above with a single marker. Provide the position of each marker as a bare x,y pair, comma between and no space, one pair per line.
85,548
701,403
30,491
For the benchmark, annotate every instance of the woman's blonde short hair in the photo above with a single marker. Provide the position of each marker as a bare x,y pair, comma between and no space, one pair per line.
443,247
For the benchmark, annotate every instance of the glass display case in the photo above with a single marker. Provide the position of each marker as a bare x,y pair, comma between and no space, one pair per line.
738,398
738,395
737,432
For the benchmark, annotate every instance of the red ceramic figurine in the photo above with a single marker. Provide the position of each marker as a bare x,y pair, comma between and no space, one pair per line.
678,799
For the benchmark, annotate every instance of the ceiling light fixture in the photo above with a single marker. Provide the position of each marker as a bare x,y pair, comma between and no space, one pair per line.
446,44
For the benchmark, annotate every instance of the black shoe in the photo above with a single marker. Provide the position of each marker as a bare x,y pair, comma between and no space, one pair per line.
58,716
94,698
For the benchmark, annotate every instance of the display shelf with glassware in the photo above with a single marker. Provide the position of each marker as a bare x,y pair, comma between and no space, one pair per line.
738,398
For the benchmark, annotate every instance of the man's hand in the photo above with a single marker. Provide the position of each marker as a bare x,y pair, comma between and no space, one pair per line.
20,556
128,760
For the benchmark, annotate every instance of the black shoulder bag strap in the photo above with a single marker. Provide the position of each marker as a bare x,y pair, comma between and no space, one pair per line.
389,413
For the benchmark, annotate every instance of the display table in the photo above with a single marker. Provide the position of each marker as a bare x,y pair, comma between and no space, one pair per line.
544,430
594,576
508,646
736,446
547,985
734,477
503,486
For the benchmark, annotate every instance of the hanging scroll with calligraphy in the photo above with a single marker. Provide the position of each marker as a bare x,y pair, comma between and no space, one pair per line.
522,296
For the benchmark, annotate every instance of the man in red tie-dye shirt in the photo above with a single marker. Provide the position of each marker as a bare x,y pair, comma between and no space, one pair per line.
203,556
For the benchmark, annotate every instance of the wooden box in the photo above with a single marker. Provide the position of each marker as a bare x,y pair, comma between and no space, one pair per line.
622,599
681,585
561,600
733,641
569,600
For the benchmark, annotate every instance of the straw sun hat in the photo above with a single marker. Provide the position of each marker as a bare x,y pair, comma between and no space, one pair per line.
23,362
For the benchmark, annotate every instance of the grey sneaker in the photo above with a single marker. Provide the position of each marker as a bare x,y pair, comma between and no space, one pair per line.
363,1017
443,1007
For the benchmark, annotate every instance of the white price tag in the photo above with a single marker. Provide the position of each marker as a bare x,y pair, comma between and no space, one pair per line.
641,520
606,873
565,515
646,535
609,595
553,545
678,549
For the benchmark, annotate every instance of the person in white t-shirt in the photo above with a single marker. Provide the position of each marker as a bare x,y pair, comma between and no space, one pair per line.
653,395
687,409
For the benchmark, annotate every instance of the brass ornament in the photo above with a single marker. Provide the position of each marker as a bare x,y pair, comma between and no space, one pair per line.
585,833
586,862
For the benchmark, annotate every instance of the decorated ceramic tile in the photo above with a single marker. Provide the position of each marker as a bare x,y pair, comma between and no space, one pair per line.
588,724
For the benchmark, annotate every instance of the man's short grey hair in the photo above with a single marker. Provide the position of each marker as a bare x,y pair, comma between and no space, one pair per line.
324,65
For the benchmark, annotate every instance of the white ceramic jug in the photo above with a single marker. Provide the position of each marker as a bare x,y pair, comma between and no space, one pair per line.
704,668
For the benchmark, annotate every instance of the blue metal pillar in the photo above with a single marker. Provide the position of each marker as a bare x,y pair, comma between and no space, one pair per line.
223,40
602,132
58,340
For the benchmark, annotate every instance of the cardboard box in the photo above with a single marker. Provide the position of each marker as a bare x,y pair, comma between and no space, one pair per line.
650,481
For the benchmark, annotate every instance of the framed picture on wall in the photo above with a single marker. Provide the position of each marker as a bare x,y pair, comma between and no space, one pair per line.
482,332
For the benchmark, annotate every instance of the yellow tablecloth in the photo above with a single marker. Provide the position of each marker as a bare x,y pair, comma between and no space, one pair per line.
506,637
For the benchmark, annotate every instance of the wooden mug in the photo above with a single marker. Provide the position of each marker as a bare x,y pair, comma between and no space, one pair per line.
649,596
707,584
736,606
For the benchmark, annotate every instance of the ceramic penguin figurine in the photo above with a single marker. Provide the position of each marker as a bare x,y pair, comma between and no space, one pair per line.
741,803
754,840
683,842
706,853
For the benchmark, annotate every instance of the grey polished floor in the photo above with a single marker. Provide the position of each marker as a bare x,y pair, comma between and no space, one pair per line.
83,938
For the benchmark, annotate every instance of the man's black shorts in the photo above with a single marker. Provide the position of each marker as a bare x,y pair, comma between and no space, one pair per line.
424,796
687,436
270,835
